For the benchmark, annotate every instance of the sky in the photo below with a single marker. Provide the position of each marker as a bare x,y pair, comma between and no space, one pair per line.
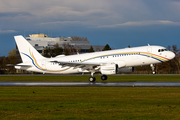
118,23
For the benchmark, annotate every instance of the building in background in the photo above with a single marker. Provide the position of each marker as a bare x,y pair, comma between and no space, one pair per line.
42,41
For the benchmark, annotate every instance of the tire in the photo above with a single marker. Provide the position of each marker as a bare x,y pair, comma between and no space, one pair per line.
103,77
92,79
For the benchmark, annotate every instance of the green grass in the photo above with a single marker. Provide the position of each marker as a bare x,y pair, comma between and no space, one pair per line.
86,77
90,102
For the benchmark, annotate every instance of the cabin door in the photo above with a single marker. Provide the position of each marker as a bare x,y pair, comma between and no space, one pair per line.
149,51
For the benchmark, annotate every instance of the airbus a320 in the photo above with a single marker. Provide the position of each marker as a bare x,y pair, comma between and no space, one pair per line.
106,62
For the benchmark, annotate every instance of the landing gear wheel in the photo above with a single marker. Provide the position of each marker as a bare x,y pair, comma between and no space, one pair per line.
92,79
103,77
152,67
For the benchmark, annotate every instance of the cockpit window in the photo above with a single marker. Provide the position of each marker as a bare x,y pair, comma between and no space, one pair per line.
162,50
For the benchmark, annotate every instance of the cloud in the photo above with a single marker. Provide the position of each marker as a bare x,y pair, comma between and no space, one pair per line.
141,23
8,31
88,13
61,22
14,14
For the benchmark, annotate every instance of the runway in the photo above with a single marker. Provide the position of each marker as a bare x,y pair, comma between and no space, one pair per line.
89,84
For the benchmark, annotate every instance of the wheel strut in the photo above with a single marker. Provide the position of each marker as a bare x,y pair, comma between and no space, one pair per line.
152,67
92,78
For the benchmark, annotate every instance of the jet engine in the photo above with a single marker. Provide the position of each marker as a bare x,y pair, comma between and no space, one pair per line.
126,69
109,69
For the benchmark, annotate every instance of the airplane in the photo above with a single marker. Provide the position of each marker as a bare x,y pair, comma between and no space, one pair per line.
106,62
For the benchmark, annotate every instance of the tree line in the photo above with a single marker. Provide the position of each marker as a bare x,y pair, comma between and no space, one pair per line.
169,67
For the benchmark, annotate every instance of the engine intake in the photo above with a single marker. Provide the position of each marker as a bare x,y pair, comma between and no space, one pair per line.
109,69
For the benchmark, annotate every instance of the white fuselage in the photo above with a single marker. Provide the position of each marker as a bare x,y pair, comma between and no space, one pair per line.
128,57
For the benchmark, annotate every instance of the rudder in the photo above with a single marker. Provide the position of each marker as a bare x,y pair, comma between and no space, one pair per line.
26,50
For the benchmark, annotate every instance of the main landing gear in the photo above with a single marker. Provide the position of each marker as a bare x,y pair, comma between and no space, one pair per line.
93,79
152,67
104,77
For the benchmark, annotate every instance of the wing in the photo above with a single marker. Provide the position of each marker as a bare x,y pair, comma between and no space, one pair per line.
88,66
84,66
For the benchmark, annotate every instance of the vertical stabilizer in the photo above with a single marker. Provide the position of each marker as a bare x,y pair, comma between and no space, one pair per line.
26,50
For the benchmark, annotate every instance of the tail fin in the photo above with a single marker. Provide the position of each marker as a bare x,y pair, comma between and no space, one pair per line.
26,50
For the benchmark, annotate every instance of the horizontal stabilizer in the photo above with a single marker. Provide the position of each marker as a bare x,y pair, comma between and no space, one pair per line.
24,65
10,65
21,65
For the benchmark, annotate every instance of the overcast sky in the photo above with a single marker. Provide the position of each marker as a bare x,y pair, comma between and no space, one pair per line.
118,23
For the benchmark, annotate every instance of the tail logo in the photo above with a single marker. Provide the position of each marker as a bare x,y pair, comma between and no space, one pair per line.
35,63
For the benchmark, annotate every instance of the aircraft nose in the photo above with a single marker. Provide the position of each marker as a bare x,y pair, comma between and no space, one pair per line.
172,55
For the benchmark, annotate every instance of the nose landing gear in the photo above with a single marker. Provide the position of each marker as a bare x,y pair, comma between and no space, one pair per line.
152,67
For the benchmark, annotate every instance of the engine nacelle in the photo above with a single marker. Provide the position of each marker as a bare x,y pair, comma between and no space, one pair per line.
109,69
126,69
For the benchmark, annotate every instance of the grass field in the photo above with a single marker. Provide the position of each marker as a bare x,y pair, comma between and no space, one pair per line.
86,78
90,102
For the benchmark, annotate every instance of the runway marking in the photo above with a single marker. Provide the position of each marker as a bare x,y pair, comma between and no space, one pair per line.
90,84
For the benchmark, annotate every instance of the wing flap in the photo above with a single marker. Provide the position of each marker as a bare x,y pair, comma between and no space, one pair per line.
73,64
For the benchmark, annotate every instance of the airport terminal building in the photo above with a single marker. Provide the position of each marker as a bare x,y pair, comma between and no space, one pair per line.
42,41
